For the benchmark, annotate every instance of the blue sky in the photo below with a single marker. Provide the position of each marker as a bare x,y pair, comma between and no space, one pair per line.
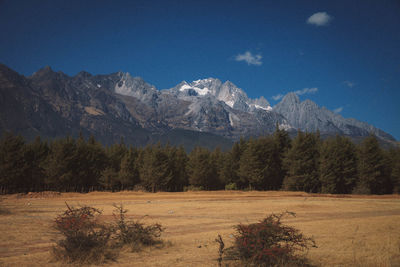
343,54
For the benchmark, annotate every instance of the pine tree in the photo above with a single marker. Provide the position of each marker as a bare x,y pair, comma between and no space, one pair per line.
97,161
128,175
12,159
259,164
177,160
373,178
201,170
283,143
302,163
230,169
35,155
109,177
155,172
228,175
394,161
217,161
61,165
338,167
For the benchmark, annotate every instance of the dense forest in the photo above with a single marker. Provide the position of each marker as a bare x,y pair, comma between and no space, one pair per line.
273,162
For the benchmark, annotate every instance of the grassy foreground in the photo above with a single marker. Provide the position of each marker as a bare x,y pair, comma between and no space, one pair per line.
349,230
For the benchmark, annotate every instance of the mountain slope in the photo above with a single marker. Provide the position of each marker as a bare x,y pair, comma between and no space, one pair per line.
52,104
308,116
119,106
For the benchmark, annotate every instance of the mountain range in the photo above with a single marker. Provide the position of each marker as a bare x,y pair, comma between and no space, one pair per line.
117,106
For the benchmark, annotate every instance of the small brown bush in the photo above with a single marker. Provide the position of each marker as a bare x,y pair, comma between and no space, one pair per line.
269,243
85,239
135,233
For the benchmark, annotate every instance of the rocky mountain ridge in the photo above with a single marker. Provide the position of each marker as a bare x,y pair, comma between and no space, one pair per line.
118,105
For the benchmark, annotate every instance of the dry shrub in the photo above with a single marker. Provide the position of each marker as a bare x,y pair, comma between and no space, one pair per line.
269,243
133,232
85,239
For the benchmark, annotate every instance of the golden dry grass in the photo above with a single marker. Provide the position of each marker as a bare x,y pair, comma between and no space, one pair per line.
349,230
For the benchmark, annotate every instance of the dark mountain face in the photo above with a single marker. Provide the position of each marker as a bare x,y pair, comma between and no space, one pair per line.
111,107
53,104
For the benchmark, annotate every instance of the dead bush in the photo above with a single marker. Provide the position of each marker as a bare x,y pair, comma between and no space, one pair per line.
135,233
268,243
85,239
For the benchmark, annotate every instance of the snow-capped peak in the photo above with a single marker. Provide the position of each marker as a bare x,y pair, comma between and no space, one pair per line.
200,91
226,92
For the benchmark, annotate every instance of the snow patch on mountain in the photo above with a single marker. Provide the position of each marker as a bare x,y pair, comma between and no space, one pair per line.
268,108
230,103
199,91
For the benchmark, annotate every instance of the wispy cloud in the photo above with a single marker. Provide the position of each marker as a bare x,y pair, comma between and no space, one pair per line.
349,84
306,91
338,110
298,92
277,97
319,19
249,58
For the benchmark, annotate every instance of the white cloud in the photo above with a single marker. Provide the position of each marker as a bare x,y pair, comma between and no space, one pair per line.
277,97
298,92
250,58
338,110
306,91
319,19
349,84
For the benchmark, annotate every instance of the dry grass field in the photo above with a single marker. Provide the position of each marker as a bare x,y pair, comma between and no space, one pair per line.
349,230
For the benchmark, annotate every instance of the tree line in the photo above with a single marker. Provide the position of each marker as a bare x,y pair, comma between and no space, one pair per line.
274,162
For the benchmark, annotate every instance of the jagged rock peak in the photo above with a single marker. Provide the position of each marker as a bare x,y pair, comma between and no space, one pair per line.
132,86
46,68
43,71
291,98
261,102
84,74
48,73
206,81
310,104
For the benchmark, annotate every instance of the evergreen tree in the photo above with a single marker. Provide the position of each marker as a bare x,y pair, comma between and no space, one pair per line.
177,160
109,177
34,159
373,178
96,159
302,163
228,174
155,172
230,169
338,166
61,165
201,170
283,143
12,172
89,161
394,161
217,162
129,172
259,164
